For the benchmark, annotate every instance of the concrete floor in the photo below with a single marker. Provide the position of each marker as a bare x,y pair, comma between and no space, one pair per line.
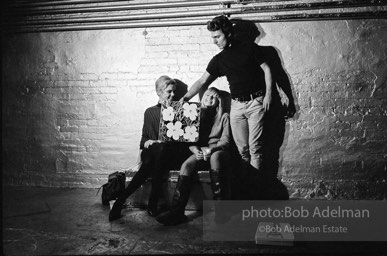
52,221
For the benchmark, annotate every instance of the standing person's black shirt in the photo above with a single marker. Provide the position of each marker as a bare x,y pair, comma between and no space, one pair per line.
240,63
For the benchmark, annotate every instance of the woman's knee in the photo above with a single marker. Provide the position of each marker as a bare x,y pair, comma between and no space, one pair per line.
187,171
219,158
188,166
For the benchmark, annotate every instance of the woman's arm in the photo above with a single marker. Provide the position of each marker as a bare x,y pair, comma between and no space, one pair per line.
224,141
197,152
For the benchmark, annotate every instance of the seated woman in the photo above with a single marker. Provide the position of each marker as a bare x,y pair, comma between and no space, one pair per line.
156,156
211,151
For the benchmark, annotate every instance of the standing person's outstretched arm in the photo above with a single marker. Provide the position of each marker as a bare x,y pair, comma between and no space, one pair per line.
203,82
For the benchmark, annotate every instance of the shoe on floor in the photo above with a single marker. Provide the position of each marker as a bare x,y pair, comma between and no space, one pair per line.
115,212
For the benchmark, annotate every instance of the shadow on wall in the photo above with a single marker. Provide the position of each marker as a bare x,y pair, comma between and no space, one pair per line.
181,89
275,127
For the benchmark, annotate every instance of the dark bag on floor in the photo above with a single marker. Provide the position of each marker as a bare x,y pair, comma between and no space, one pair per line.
113,188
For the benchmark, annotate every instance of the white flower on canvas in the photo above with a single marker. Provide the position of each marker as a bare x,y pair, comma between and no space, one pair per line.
168,114
174,130
191,133
190,111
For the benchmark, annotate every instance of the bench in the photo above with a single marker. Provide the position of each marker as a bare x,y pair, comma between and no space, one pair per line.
201,190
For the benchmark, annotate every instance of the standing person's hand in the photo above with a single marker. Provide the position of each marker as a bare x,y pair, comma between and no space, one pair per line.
267,102
183,99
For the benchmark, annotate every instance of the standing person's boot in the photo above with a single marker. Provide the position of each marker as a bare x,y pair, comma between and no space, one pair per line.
180,199
221,191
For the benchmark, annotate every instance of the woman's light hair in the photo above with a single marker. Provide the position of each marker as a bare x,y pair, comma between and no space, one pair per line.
223,103
162,82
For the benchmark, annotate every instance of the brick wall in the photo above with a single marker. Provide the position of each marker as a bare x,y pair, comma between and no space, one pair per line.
73,102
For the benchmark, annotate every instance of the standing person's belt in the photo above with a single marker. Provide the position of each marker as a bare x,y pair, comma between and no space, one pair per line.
249,96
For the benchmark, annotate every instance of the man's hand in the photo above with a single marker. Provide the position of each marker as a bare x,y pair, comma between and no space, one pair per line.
183,99
267,102
149,143
205,80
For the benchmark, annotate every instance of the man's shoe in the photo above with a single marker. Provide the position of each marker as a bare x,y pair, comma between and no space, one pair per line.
115,212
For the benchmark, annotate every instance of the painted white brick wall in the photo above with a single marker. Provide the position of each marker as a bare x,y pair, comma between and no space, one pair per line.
73,102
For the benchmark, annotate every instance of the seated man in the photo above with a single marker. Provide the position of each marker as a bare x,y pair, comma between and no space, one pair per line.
156,156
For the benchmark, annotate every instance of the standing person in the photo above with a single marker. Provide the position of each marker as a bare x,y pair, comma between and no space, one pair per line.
156,156
211,151
250,82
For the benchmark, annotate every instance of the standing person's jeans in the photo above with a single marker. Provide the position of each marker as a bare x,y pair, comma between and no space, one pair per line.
246,119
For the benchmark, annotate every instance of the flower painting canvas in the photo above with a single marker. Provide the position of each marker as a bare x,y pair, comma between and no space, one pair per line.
180,121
